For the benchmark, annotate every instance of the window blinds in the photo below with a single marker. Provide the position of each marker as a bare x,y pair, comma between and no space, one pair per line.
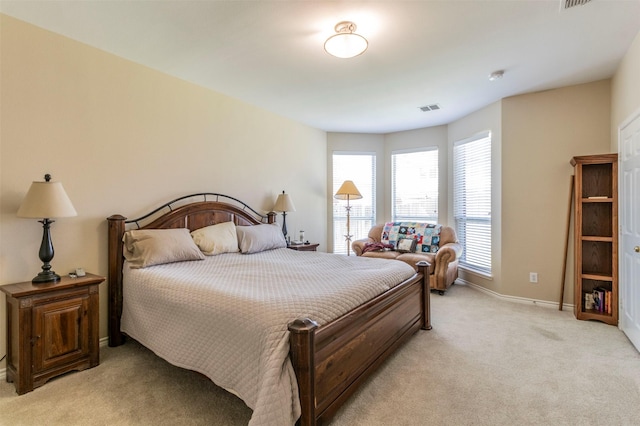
414,185
472,200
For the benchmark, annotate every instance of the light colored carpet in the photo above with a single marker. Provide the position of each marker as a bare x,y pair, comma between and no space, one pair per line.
486,362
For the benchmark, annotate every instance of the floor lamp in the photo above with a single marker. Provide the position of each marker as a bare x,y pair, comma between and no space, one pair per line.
348,191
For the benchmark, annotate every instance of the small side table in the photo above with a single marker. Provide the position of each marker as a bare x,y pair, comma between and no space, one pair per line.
52,328
304,247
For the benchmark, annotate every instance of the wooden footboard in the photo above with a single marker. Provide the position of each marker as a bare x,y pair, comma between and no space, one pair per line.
333,360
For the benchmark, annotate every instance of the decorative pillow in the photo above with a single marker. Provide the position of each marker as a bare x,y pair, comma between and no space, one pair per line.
217,239
257,238
147,247
406,245
427,235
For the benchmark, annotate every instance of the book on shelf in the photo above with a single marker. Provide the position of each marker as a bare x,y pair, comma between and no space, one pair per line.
598,300
588,301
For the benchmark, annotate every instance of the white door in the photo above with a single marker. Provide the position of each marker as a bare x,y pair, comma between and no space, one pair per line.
629,203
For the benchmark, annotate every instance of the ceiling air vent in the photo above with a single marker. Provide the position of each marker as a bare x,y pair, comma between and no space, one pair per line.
566,4
433,107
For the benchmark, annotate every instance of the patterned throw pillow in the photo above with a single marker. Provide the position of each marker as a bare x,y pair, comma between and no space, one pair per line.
427,235
406,245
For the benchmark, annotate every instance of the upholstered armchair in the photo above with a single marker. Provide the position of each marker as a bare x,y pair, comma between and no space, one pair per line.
445,259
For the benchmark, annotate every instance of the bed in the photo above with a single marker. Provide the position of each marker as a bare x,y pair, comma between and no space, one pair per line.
329,357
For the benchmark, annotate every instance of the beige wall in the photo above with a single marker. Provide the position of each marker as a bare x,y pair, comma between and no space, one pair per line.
541,132
625,91
123,139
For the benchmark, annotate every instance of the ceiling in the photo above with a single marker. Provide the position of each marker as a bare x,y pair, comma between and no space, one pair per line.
269,53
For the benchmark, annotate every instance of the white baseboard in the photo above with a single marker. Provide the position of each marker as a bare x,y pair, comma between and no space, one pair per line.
3,373
543,303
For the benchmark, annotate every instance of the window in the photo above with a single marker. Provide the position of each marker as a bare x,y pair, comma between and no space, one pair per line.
472,200
414,185
361,169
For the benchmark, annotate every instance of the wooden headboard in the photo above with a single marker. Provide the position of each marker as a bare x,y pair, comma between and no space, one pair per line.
193,212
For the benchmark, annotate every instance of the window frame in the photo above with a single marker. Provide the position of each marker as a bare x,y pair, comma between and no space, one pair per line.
483,223
359,224
423,218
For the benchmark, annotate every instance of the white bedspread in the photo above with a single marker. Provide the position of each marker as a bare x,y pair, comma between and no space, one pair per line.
226,317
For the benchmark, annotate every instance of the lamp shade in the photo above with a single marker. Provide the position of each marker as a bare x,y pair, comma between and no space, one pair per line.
46,200
284,204
345,44
348,191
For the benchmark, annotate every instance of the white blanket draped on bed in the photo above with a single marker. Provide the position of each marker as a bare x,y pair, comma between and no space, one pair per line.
226,316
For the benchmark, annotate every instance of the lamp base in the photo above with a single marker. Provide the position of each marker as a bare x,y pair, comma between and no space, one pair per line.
46,277
46,255
284,224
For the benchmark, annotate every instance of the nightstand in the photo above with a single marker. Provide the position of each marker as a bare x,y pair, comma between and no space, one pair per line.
52,328
304,247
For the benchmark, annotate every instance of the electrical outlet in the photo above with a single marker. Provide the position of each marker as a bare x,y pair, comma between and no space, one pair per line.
533,277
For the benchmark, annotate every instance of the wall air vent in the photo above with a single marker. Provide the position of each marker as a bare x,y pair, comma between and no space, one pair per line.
433,107
566,4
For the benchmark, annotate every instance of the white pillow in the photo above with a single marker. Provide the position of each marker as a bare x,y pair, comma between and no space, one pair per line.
147,247
257,238
217,239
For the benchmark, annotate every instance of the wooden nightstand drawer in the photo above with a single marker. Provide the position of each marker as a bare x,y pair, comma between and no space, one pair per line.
52,329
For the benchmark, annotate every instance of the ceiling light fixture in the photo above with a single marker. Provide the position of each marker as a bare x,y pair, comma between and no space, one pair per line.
496,75
345,44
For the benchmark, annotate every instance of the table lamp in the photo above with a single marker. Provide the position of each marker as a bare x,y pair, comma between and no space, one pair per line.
284,205
46,200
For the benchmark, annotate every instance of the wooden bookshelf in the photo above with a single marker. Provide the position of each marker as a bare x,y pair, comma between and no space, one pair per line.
596,237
